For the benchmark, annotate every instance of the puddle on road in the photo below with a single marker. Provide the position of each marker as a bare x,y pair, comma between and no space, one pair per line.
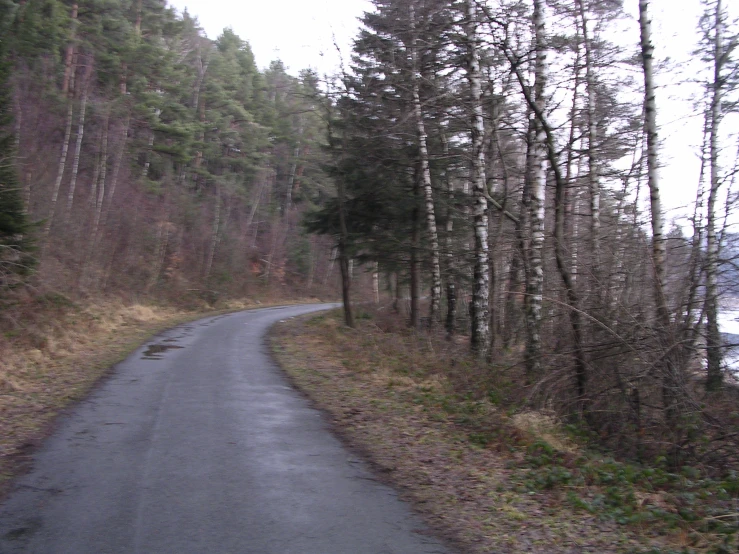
154,351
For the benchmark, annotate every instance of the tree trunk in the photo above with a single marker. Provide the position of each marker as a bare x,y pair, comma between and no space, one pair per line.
331,263
214,235
114,177
650,107
161,252
293,169
480,336
544,144
97,200
69,55
415,268
60,172
346,279
593,169
423,154
138,17
312,263
713,335
150,147
538,177
376,282
451,285
78,146
670,383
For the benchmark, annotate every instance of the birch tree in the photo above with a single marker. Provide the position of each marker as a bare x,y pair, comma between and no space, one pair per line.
423,154
650,127
480,336
593,164
724,76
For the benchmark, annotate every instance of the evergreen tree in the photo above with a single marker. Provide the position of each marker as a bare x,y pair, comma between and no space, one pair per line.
15,241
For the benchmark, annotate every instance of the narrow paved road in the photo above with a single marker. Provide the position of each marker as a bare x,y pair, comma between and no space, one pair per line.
197,443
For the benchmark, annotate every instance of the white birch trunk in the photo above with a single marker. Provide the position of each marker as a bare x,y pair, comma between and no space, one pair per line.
60,170
480,339
426,182
78,146
537,196
100,197
376,282
451,286
214,237
114,177
293,170
650,107
593,169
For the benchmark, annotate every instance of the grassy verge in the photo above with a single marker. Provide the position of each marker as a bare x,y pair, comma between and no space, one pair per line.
490,477
56,351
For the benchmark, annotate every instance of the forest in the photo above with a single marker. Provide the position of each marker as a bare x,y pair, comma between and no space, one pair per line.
499,164
154,160
485,173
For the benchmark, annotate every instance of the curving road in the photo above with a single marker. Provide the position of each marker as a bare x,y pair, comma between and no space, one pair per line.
197,444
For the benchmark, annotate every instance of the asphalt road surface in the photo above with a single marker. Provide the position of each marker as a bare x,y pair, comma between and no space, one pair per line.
197,443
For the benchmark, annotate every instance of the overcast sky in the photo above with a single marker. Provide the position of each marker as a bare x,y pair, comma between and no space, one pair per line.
301,33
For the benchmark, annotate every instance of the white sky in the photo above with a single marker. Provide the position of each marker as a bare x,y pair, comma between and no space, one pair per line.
300,33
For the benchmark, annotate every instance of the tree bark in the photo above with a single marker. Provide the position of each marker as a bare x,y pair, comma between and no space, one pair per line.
60,173
480,336
346,279
78,146
415,267
545,141
538,177
139,16
650,108
294,168
69,55
714,380
96,199
423,154
669,377
451,285
114,177
376,282
150,147
593,169
214,235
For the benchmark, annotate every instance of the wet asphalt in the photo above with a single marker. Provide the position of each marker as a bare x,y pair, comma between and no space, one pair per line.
198,444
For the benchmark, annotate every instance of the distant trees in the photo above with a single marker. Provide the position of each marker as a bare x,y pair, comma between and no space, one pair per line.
160,161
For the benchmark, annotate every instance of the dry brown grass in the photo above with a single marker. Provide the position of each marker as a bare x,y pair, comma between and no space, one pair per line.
54,356
394,396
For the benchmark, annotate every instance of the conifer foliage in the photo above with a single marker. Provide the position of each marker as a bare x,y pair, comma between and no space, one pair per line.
158,161
15,238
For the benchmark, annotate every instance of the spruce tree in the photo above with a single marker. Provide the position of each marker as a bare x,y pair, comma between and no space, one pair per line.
15,244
